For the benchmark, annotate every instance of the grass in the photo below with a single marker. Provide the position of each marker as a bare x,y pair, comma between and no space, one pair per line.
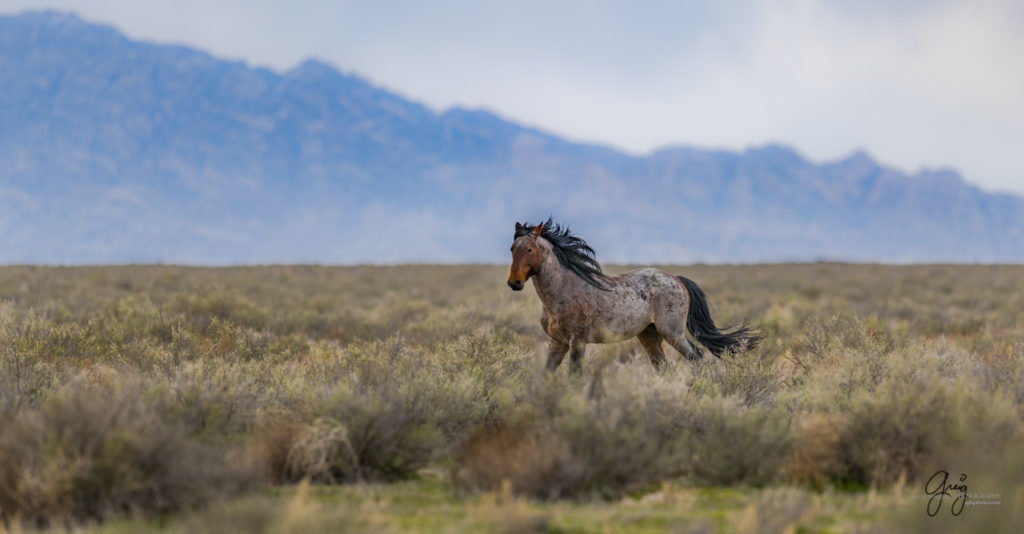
428,505
413,398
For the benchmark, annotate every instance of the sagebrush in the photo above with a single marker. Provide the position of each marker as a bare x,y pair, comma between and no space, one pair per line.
141,391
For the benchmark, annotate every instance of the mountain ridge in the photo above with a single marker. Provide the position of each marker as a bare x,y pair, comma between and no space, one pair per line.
121,150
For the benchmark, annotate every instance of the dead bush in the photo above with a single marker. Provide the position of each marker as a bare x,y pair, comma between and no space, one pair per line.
268,446
815,455
531,461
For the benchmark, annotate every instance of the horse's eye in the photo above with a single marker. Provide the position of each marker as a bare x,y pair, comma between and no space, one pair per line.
529,250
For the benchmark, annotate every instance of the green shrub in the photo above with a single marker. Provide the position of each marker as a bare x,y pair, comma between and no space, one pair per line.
918,422
104,447
731,443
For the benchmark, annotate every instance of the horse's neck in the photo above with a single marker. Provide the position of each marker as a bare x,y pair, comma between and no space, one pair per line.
557,285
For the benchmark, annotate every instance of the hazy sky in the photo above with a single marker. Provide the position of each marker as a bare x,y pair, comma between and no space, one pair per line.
915,83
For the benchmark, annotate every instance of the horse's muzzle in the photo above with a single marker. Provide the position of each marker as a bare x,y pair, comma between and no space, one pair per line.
516,285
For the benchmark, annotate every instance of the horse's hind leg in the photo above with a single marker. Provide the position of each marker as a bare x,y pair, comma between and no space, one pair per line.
650,339
683,345
671,323
675,333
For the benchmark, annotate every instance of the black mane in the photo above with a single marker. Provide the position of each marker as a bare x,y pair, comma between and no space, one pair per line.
572,252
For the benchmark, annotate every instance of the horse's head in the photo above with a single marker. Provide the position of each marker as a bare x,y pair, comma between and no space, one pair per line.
527,256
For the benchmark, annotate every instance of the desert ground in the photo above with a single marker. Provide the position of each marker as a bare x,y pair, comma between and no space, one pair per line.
414,398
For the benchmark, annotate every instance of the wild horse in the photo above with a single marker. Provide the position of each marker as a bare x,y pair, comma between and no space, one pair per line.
584,305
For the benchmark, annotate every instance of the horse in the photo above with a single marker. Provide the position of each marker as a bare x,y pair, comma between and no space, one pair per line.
584,305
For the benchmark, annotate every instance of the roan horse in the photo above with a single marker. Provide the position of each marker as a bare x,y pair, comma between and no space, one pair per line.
584,305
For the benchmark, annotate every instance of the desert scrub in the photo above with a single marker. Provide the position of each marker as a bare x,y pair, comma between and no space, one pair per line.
862,409
27,371
919,418
870,412
382,410
103,446
872,377
624,429
754,377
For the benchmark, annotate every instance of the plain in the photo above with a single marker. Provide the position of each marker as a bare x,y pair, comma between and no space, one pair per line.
409,398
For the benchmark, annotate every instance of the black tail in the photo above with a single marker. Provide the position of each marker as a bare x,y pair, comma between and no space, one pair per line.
703,329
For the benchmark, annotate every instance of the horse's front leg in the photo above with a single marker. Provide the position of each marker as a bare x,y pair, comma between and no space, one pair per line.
576,357
556,352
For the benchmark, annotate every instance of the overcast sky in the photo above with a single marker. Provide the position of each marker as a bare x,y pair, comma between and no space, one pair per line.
914,83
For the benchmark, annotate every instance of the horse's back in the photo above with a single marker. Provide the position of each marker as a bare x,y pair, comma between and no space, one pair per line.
652,282
638,298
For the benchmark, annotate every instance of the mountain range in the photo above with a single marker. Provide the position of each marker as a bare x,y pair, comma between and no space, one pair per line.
113,151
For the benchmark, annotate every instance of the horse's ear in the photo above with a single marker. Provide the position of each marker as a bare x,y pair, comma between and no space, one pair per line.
518,226
537,229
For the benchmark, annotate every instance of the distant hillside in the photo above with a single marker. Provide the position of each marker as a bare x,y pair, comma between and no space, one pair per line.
121,151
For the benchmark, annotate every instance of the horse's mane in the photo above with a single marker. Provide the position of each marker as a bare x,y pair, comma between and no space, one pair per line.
572,252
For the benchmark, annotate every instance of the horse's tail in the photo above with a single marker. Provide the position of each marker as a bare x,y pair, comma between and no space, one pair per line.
703,329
